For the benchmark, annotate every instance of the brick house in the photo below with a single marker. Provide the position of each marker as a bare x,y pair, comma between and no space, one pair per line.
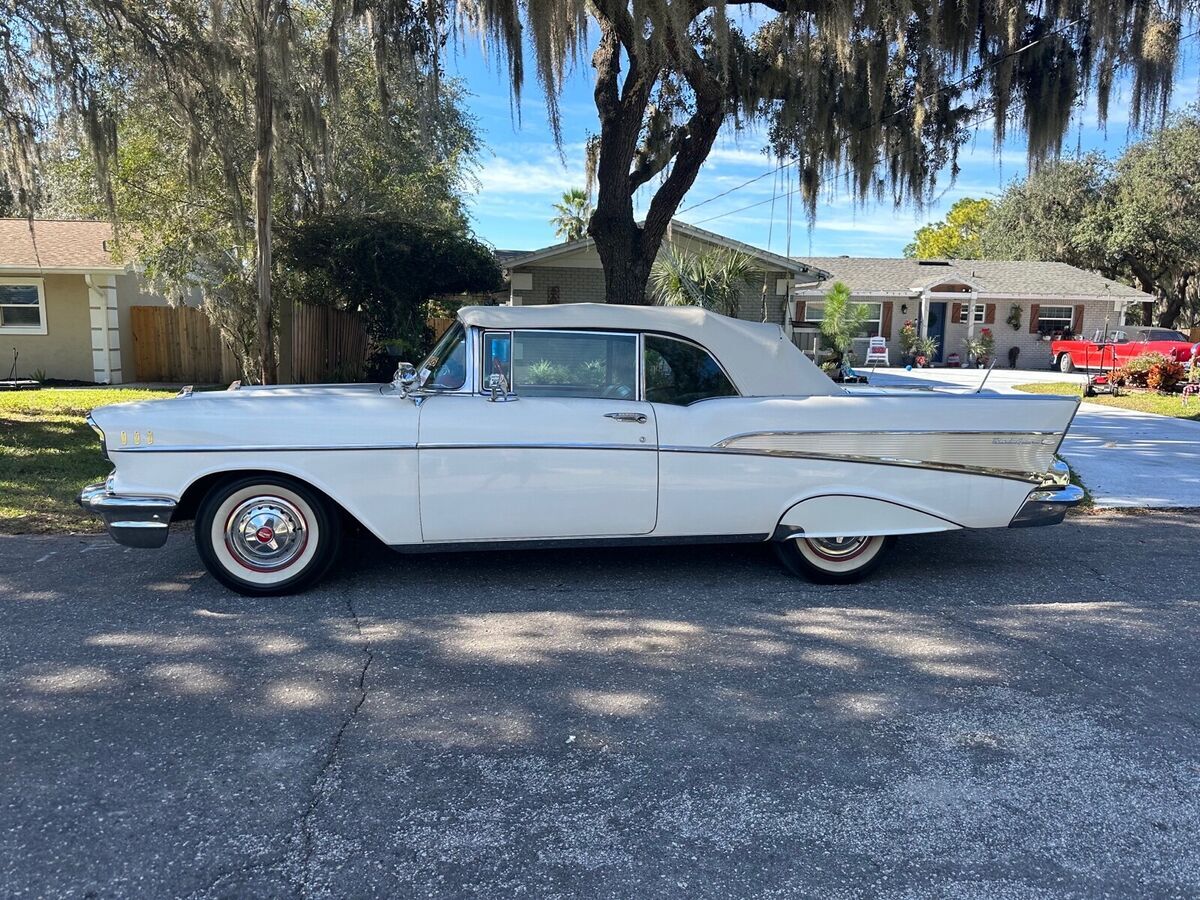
571,273
948,299
951,299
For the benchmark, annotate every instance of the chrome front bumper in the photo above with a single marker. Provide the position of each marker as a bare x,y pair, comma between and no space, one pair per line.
132,521
1048,505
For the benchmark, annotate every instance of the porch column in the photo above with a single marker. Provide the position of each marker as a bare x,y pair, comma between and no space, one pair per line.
971,316
106,329
924,329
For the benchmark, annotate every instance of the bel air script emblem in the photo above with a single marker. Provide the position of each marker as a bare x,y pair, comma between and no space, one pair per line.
1024,442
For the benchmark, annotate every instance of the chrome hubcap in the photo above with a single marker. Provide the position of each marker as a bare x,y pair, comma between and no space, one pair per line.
838,548
266,533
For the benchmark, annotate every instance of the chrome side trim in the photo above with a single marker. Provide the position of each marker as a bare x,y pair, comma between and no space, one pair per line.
541,445
904,431
1025,454
261,448
955,468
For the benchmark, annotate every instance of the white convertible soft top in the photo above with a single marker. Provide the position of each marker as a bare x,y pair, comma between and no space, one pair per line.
758,357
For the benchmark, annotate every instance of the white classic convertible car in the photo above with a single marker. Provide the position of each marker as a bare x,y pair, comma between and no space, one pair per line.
581,423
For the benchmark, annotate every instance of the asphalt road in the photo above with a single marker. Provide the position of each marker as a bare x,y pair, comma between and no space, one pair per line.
999,714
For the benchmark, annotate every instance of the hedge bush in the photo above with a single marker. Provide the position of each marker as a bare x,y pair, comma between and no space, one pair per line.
1150,370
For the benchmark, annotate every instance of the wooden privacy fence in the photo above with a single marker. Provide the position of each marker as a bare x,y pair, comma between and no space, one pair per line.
440,326
179,344
327,345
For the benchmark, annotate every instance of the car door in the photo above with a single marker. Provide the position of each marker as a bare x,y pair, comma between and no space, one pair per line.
572,452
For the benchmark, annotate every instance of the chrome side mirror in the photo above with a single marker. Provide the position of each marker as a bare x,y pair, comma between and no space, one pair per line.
404,379
498,386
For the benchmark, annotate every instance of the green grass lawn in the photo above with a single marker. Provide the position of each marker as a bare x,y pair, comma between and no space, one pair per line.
1162,404
48,452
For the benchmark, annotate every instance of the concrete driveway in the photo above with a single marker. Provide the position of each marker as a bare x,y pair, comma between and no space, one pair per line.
1127,459
998,714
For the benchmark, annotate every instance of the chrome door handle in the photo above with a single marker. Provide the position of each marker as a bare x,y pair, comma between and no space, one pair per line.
640,418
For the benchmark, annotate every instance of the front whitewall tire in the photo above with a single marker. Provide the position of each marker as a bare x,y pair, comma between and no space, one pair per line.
265,535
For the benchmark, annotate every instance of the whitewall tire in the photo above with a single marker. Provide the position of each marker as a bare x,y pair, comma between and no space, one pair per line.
840,560
1066,365
266,535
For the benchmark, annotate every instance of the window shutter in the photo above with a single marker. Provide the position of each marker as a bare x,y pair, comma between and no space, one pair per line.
1033,317
1077,325
885,326
800,304
955,312
989,314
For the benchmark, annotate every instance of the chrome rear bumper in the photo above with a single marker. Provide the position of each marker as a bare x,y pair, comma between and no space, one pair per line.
1048,505
132,521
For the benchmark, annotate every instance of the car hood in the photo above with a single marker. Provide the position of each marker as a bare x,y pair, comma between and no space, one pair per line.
283,416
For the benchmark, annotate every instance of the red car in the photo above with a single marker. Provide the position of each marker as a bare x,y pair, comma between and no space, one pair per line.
1120,346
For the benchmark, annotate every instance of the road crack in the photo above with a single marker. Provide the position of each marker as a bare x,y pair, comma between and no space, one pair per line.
326,781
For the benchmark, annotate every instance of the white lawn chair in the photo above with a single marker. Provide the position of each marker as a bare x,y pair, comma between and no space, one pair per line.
877,351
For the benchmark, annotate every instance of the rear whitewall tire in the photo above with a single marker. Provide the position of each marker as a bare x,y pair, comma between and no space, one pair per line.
302,533
1066,365
833,561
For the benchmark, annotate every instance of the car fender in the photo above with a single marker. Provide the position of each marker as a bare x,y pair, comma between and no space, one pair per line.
841,514
378,488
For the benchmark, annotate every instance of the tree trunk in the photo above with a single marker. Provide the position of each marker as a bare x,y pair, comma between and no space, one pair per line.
264,178
1173,300
627,251
625,262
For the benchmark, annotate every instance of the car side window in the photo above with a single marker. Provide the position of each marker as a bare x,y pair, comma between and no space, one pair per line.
563,363
447,363
682,373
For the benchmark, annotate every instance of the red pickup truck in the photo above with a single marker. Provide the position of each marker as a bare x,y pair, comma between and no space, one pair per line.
1118,347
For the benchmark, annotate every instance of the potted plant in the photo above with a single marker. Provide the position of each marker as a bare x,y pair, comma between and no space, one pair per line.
980,349
924,350
908,336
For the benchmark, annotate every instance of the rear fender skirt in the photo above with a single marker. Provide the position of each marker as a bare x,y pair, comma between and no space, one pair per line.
839,515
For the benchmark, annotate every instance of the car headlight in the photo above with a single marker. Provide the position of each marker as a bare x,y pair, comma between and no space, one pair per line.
100,434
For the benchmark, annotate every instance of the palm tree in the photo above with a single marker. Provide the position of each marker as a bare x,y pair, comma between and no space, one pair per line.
843,321
574,212
713,280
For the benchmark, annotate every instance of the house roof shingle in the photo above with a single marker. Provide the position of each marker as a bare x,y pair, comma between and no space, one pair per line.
905,277
56,244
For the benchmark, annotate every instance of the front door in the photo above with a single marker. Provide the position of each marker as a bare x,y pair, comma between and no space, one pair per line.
937,328
571,455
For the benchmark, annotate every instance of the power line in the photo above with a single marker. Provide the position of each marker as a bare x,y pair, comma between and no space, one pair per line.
899,154
838,174
978,70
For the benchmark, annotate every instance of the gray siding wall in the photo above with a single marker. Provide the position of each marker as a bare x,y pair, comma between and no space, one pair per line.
583,285
750,299
562,284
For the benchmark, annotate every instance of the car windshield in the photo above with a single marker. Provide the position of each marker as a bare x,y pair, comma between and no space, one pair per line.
445,369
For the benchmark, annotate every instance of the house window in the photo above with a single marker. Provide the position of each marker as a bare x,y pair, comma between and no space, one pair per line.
22,306
980,308
1054,318
814,312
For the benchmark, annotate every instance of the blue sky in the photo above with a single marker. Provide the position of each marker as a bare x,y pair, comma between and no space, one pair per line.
521,173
